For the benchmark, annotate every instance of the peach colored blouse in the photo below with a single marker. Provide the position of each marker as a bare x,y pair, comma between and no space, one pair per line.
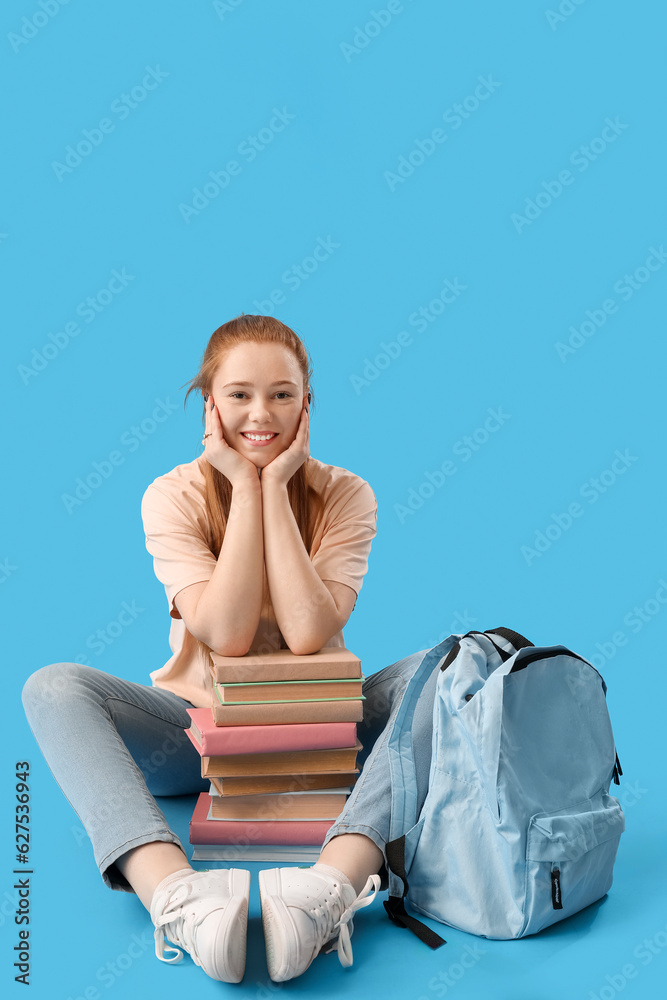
174,517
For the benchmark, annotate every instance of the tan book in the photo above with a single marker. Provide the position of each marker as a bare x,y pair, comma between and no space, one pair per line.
285,762
338,790
284,712
284,665
263,691
283,782
278,806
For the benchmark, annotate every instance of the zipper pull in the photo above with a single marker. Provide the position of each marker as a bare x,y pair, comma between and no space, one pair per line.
556,899
618,770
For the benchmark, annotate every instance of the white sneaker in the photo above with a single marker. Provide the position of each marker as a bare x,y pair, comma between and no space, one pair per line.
303,909
205,912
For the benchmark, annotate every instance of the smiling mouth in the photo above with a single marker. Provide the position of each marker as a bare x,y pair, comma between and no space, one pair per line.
258,437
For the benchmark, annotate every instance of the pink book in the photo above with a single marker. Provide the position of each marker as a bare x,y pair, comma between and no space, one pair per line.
243,832
212,741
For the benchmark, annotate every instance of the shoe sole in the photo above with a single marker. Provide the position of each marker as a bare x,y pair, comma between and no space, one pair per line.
234,958
279,930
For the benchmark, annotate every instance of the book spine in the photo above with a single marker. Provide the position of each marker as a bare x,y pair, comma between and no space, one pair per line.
284,666
289,691
220,739
229,766
283,806
286,712
241,833
281,783
283,701
276,853
288,672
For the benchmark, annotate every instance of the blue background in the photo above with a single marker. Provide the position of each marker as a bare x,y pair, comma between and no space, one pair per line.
362,96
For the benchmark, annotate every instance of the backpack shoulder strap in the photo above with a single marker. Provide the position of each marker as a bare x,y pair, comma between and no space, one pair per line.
404,793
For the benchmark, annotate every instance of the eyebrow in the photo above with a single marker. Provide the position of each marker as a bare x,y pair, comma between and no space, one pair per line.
284,382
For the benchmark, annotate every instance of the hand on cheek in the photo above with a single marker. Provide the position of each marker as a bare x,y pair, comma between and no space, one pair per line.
219,453
283,467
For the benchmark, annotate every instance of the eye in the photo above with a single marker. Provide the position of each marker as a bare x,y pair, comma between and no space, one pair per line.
281,392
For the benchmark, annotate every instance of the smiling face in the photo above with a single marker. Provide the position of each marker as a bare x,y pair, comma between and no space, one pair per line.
259,393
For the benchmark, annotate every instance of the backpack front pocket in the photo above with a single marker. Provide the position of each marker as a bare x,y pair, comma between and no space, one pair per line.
570,856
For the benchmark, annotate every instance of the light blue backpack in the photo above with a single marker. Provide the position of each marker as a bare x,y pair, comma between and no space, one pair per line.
517,830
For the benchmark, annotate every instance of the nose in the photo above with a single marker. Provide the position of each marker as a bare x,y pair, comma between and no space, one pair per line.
259,412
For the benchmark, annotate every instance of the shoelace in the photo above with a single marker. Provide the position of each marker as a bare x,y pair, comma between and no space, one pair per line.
343,944
184,926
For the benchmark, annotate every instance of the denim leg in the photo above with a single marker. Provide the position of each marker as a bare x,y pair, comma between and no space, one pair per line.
368,808
110,743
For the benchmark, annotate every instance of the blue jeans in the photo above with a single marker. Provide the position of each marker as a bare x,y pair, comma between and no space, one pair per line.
367,809
113,744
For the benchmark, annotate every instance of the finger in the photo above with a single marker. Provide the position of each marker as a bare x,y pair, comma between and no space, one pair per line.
302,431
216,426
203,439
216,422
211,421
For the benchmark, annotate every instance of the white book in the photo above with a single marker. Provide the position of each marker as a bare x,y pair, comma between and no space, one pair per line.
255,852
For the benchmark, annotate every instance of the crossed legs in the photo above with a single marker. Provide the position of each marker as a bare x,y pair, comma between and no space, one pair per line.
89,723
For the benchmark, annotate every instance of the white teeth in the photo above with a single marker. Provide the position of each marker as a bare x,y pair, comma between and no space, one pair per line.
259,437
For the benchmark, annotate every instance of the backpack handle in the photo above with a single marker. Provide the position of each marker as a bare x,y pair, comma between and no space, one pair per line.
518,641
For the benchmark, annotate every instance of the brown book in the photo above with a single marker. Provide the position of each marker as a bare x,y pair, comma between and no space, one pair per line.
263,691
278,806
283,782
284,712
285,762
284,665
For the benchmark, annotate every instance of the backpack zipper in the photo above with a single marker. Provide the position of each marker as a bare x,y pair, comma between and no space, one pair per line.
618,770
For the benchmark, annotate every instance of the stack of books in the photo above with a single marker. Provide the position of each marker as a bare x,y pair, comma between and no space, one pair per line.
279,749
